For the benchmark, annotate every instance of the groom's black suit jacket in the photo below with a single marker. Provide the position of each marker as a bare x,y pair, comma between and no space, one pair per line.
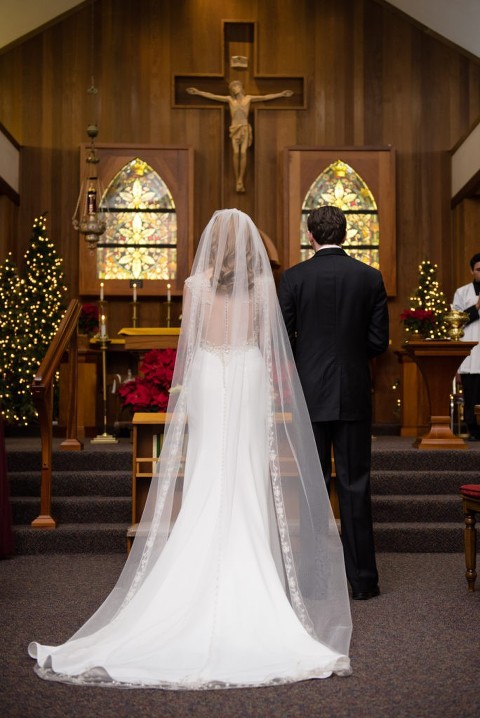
335,311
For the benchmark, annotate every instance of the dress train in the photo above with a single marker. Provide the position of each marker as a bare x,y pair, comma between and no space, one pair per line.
214,611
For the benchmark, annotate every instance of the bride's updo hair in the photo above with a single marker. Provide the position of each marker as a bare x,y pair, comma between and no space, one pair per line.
231,251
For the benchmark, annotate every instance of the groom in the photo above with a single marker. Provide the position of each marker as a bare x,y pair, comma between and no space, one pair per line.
335,311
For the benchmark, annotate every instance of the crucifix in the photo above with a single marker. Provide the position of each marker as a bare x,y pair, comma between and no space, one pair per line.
238,47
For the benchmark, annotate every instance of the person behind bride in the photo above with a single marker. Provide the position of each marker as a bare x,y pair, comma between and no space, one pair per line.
233,592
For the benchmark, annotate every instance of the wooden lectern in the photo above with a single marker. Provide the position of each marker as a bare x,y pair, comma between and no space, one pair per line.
438,362
146,338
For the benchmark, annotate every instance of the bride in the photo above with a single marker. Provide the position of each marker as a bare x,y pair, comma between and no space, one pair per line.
246,585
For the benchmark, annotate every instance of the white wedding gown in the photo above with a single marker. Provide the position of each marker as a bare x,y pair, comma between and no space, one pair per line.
214,611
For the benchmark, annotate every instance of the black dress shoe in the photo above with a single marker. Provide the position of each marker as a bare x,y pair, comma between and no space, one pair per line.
365,595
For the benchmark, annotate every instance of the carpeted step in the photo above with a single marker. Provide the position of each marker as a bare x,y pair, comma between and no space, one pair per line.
422,482
73,483
71,538
427,509
444,537
416,460
117,460
75,509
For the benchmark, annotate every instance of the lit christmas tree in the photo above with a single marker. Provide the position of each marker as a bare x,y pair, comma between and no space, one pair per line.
44,286
427,306
9,287
13,318
9,280
32,313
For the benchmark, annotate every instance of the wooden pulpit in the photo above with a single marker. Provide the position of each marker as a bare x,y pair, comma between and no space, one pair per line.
438,362
146,338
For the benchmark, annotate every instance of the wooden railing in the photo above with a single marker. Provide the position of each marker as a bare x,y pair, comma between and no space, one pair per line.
42,390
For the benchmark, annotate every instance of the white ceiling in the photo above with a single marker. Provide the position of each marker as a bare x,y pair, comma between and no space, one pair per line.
456,20
21,17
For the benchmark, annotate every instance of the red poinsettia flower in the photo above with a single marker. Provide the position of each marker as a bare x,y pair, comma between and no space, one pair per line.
417,315
150,390
160,398
158,365
418,320
88,319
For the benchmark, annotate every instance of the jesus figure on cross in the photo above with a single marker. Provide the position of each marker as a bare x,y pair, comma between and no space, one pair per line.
240,129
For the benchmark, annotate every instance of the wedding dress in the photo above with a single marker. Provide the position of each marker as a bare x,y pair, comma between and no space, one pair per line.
240,589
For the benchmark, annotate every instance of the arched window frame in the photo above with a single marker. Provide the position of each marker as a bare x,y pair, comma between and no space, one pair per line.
376,166
175,166
141,234
341,186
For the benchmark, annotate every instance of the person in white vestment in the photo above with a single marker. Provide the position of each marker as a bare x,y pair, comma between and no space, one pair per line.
245,586
467,299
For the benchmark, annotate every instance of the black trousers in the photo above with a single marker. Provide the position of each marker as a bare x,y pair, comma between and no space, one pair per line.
351,443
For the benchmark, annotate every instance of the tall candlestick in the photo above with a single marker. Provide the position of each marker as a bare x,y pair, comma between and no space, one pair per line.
101,291
134,314
134,292
169,293
104,438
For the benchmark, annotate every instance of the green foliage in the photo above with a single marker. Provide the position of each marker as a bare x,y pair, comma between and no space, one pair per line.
429,297
30,312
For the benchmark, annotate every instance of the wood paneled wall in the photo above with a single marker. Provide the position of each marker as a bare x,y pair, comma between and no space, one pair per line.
372,77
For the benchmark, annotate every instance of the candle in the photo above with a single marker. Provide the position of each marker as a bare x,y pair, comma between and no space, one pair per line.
103,327
91,199
134,292
101,291
169,293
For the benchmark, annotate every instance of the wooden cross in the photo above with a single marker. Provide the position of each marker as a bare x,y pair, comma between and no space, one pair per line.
239,61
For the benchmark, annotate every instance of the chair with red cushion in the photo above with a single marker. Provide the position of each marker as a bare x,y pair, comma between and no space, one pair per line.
471,507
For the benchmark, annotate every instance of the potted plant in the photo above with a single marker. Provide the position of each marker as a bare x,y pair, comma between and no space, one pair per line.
417,322
87,324
149,391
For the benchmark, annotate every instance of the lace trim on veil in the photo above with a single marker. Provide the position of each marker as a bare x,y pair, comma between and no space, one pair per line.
98,677
275,476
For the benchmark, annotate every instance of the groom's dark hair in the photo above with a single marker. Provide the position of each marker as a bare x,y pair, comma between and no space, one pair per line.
328,225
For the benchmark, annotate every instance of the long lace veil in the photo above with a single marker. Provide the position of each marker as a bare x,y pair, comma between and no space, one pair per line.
230,302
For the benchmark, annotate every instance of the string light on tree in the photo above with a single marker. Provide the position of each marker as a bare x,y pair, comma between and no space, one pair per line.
30,311
9,335
427,305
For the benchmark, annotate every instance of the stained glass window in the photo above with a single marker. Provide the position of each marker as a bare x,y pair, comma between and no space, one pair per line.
140,241
341,186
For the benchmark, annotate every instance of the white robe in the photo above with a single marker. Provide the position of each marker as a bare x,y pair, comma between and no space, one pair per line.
464,298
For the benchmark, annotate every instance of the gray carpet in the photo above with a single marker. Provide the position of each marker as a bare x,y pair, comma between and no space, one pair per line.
414,651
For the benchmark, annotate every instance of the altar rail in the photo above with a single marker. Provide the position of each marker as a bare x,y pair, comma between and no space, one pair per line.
42,390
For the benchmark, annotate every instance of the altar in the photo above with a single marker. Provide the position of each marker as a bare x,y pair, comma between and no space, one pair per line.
438,362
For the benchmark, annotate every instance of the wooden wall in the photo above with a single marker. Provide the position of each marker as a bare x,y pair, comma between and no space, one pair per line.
372,77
